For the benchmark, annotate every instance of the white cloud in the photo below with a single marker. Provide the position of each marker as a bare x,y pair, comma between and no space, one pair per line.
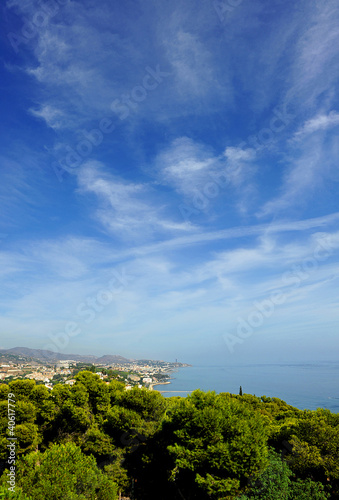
241,170
68,258
11,264
315,66
195,71
236,154
223,80
20,188
305,175
192,169
88,57
185,165
318,123
126,208
80,61
53,117
206,237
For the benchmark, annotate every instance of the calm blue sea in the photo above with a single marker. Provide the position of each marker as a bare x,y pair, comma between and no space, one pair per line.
305,386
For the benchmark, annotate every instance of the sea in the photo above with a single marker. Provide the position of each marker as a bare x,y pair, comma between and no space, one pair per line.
305,386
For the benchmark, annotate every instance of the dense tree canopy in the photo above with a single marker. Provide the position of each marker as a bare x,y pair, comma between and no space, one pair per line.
93,439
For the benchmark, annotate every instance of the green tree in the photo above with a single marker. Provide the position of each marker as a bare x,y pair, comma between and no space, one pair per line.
315,447
22,389
97,443
123,424
64,472
308,490
98,393
150,405
275,484
18,494
208,445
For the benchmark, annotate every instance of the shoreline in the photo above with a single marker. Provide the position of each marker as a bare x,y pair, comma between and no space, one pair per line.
151,387
168,381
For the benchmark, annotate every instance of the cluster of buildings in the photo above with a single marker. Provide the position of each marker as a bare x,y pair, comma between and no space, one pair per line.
34,371
141,373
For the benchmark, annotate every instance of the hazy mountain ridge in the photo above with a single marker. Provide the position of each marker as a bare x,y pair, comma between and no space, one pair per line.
48,356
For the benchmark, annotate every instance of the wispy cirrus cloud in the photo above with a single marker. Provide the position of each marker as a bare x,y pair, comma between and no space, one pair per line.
53,117
201,238
314,69
127,209
190,167
20,193
312,163
321,122
245,119
299,184
185,165
195,72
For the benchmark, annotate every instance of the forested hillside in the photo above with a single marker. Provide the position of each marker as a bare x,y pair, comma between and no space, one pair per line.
95,440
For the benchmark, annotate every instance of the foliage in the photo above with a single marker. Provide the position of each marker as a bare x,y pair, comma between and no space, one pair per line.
63,471
18,494
93,439
275,484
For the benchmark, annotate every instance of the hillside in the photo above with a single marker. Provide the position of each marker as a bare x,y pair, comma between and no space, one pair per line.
49,356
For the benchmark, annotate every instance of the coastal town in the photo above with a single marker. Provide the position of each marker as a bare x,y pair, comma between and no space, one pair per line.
140,373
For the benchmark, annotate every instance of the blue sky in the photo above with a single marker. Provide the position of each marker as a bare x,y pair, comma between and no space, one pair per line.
169,179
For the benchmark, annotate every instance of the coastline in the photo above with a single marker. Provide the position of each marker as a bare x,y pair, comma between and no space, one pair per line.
301,385
151,387
168,381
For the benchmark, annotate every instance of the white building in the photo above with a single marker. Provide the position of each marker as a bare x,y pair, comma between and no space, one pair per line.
147,380
65,363
70,382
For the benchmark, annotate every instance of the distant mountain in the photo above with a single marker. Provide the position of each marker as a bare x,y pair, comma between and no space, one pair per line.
50,356
110,359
